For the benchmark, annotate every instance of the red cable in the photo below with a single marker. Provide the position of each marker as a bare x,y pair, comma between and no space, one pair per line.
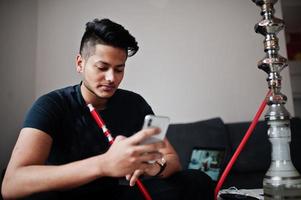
240,147
110,138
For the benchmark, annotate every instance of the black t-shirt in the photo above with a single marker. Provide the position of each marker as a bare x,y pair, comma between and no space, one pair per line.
63,115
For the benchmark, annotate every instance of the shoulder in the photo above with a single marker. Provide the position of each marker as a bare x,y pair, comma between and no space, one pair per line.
59,96
49,109
55,102
61,93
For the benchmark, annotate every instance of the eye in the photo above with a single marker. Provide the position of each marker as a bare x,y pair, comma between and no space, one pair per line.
101,68
119,70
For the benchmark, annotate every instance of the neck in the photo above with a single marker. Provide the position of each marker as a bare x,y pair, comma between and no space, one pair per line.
92,98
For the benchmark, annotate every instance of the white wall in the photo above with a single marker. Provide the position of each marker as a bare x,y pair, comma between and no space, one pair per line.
197,58
18,22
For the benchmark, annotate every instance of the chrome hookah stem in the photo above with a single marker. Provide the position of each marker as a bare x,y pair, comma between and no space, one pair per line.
282,180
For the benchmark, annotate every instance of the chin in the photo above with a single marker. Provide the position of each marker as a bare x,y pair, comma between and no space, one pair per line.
105,95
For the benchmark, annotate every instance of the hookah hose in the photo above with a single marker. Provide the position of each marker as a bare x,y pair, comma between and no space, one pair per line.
240,147
107,133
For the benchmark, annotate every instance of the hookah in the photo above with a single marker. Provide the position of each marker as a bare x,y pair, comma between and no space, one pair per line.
282,180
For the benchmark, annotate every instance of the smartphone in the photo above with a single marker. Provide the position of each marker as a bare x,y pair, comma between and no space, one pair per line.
161,122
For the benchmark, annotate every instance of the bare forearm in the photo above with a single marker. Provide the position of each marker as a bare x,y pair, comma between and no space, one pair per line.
27,180
172,160
172,165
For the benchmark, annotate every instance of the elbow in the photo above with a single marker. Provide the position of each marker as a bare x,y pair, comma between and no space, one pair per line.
5,190
172,167
178,166
8,191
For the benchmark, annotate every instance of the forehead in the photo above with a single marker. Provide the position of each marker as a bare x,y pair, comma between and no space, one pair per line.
108,54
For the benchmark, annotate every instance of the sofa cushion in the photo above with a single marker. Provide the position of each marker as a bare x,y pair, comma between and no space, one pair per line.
256,155
210,133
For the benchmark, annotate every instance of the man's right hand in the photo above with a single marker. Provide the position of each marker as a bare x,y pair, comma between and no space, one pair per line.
128,154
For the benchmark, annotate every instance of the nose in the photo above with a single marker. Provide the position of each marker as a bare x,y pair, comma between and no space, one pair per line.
110,75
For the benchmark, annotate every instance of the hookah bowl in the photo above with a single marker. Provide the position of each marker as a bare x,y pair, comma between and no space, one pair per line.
282,180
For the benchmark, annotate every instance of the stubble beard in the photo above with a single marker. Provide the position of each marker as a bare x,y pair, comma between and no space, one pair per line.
92,92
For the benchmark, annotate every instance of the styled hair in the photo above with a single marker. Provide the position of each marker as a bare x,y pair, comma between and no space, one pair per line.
107,32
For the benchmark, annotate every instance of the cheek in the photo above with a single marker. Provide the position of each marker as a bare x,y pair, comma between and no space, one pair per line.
120,77
92,75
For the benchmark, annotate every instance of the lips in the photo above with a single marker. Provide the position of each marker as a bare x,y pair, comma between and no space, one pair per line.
108,88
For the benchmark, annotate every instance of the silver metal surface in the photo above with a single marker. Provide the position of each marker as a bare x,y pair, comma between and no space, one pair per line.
282,180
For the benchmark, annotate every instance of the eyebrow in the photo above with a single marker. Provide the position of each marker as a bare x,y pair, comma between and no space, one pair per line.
107,64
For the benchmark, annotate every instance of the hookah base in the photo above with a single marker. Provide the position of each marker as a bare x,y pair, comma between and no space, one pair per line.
282,192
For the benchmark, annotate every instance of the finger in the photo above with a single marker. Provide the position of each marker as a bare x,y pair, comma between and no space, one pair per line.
149,147
150,167
146,157
138,150
144,165
128,177
143,134
135,177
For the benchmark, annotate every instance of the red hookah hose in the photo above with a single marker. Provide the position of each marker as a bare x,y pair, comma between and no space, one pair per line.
240,147
110,138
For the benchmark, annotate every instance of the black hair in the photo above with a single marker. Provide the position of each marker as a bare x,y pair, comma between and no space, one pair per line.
107,32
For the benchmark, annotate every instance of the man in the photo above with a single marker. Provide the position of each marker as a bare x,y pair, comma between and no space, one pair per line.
61,153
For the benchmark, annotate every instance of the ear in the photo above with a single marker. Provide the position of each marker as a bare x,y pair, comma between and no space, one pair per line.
79,63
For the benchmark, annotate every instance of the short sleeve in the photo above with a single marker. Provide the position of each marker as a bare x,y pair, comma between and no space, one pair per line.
44,114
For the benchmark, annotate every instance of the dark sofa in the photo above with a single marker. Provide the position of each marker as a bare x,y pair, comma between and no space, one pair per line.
254,160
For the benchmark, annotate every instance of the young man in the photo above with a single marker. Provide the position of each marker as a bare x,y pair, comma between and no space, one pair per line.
61,153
